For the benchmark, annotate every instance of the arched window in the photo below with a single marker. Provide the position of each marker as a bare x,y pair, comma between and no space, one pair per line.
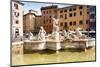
65,23
16,32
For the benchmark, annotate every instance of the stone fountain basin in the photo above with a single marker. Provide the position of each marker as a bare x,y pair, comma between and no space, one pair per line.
57,45
91,43
78,43
41,45
53,44
34,45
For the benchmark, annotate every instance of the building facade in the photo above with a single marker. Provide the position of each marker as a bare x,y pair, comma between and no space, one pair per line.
92,17
70,17
73,16
29,21
17,19
47,13
37,23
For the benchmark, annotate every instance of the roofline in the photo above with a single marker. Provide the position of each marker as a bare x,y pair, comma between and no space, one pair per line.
33,14
33,10
38,15
20,2
71,6
49,7
29,13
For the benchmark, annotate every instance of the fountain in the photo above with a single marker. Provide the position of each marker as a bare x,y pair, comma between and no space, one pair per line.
42,34
54,43
36,43
79,34
77,40
42,39
30,36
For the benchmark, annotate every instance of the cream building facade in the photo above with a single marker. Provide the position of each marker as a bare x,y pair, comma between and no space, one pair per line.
17,19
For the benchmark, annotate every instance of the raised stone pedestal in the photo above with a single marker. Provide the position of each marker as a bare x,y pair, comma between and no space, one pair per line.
53,45
17,48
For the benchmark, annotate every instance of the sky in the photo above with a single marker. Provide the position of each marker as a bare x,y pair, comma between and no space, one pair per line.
37,6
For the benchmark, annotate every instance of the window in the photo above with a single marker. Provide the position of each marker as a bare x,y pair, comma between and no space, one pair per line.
43,12
47,26
80,12
92,16
87,6
16,6
65,16
70,9
44,27
50,11
44,17
81,22
80,7
74,13
17,21
44,21
74,23
50,26
87,12
74,8
87,21
50,21
93,8
87,29
47,12
16,32
61,24
49,16
70,23
61,16
47,20
61,11
65,23
55,11
65,10
16,14
70,15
